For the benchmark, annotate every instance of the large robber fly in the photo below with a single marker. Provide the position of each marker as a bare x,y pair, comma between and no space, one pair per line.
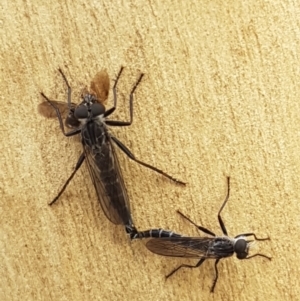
168,243
89,119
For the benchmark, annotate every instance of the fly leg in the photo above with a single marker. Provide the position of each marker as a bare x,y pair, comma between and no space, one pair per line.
197,226
186,266
79,163
132,157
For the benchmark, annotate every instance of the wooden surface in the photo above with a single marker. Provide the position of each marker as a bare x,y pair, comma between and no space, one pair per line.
220,97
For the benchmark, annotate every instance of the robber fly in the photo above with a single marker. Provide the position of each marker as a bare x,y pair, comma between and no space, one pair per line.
168,243
89,119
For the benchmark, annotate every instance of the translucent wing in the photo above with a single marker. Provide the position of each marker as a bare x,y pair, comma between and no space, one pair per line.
100,85
46,110
106,176
188,247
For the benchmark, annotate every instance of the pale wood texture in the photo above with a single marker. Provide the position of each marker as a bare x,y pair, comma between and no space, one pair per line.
221,96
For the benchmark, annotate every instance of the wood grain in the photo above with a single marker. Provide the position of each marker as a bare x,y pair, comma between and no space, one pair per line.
220,97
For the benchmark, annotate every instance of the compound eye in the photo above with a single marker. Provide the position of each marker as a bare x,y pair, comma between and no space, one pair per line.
81,112
241,255
97,109
240,248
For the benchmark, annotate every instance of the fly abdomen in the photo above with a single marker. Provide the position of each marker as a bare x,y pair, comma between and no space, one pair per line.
154,233
112,186
108,173
131,229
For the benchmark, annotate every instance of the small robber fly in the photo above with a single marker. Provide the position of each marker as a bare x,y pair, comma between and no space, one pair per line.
89,119
168,243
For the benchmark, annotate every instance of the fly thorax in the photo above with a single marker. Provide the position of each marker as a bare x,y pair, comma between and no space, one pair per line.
102,134
93,134
241,248
220,241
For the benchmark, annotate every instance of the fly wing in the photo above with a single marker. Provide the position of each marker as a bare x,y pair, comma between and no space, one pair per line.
123,199
46,110
100,85
107,178
188,247
67,113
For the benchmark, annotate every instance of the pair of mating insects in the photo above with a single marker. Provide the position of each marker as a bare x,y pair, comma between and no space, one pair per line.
89,119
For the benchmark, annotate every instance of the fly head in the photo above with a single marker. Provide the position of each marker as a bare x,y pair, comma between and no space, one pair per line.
241,248
90,108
